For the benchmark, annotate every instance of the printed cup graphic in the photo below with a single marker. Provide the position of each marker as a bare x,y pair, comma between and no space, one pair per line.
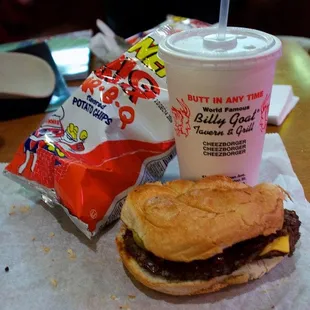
219,94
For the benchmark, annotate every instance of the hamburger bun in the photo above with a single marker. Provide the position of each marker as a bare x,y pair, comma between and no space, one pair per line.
186,221
244,274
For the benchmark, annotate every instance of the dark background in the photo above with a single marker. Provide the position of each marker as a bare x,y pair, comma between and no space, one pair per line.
21,19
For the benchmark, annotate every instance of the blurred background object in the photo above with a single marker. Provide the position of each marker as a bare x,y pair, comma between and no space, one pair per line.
67,27
70,51
22,77
21,19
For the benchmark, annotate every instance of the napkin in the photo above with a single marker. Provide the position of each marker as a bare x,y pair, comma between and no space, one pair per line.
106,45
282,102
52,265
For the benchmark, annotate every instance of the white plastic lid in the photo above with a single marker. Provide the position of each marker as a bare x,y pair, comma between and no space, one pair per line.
201,47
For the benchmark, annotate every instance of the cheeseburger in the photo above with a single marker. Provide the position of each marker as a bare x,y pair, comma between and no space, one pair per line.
186,238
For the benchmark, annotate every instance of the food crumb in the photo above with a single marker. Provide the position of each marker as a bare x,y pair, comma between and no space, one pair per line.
12,213
132,296
46,249
71,254
113,297
125,307
24,209
51,235
54,282
33,238
7,269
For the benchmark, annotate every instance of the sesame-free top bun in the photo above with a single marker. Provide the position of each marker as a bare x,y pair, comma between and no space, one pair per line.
244,274
185,221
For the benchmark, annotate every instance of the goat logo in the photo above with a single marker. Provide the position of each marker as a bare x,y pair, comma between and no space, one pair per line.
264,109
181,118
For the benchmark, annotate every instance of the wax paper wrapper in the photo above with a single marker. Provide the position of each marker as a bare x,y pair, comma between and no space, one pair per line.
112,134
52,265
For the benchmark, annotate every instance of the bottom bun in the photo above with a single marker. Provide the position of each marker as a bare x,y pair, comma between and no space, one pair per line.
248,272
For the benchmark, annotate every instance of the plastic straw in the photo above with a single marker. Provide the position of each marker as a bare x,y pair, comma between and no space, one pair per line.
223,19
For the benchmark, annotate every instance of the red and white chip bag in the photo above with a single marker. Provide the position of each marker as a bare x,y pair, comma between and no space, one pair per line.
111,135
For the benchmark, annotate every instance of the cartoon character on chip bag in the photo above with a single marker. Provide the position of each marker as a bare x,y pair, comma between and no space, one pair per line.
181,119
51,130
52,137
71,141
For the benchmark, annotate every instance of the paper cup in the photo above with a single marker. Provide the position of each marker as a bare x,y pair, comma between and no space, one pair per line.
219,94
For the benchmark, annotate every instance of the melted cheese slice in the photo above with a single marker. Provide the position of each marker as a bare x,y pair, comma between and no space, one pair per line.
280,244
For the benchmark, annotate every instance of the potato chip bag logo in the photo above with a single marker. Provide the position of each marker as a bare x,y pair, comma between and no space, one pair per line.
181,119
147,52
135,83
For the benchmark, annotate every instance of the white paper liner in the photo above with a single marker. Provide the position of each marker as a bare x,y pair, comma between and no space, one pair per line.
96,279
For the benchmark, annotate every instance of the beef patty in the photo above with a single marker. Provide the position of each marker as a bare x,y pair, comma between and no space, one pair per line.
225,263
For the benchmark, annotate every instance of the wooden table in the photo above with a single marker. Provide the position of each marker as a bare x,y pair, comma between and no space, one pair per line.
293,69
